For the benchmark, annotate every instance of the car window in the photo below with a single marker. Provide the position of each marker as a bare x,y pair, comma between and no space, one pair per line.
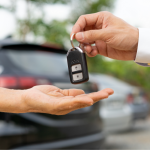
106,81
38,62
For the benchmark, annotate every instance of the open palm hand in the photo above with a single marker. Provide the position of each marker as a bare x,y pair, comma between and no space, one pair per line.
52,100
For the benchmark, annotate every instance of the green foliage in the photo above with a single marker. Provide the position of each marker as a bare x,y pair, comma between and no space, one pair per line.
81,7
43,2
127,71
54,31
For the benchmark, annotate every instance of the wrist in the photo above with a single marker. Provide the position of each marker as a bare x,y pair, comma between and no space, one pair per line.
18,102
25,99
22,102
11,101
29,101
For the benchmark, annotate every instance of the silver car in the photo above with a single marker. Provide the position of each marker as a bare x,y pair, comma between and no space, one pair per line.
115,111
138,101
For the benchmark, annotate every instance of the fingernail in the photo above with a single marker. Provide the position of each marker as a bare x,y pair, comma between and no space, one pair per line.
80,36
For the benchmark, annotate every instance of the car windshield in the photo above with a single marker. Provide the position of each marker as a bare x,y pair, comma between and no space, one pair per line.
38,62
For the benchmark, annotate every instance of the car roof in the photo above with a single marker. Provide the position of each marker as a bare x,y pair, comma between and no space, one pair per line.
106,81
17,45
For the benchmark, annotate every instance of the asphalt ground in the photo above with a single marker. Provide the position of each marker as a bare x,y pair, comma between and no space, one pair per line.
137,138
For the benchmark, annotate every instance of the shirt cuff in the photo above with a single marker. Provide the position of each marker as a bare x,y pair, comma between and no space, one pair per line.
143,51
143,64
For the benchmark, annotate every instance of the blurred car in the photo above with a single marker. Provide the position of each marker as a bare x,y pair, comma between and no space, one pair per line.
23,65
138,101
115,110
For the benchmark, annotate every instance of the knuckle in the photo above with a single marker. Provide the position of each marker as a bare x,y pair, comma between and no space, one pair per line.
82,17
107,13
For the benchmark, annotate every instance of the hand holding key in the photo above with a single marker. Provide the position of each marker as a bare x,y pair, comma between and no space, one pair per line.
113,37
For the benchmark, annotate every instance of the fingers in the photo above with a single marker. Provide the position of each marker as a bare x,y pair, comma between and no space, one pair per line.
91,36
100,95
109,91
68,103
72,103
91,27
72,92
102,48
87,20
91,51
99,48
83,100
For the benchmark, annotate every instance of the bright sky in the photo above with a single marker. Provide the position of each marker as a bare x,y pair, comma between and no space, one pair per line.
135,12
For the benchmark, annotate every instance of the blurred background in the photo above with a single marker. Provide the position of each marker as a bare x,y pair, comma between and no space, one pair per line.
119,122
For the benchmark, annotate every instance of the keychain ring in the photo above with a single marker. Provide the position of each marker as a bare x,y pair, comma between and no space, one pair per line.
71,40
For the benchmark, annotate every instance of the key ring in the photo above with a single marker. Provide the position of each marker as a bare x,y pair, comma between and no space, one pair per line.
77,48
71,40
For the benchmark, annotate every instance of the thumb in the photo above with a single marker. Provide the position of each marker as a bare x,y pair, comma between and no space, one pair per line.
91,36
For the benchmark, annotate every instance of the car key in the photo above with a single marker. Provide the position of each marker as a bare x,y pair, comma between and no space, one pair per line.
77,64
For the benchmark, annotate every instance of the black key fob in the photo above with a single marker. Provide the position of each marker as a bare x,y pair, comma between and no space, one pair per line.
77,66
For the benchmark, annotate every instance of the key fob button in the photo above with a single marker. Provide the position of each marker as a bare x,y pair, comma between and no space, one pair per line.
76,68
77,76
